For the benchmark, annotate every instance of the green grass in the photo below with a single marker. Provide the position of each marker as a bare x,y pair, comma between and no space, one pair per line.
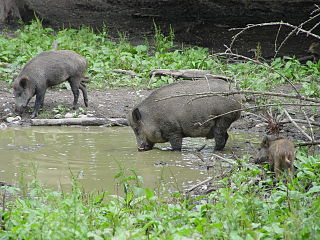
104,55
247,205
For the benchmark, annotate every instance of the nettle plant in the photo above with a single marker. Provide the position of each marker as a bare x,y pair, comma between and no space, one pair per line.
105,55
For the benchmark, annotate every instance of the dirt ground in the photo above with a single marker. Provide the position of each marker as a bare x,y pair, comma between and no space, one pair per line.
117,103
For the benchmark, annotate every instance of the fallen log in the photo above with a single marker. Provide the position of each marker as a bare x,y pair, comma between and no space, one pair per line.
188,74
87,121
128,72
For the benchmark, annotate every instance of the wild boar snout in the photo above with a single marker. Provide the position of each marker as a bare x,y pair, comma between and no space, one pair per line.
262,155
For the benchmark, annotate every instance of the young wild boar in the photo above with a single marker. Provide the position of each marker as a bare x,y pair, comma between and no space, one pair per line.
47,69
314,49
279,152
173,119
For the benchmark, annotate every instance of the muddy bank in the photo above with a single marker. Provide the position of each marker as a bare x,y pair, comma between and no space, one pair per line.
117,103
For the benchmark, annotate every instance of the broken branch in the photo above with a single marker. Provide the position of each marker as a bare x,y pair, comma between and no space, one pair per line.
80,121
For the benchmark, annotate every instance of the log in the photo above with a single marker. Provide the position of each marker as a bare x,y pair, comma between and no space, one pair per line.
188,74
128,72
87,121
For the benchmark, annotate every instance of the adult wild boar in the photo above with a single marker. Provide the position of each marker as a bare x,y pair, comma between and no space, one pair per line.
173,119
279,152
47,69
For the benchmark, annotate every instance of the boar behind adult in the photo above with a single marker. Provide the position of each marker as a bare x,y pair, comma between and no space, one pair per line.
47,69
279,152
173,119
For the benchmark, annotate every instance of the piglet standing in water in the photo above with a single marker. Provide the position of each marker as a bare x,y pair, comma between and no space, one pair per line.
47,69
279,152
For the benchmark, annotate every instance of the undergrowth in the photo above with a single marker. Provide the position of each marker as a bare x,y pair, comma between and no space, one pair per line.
104,55
249,204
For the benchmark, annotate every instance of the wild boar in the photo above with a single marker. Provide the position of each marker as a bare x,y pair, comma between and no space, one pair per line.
171,120
279,152
47,69
314,49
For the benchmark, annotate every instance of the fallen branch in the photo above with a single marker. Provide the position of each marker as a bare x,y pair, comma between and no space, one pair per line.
259,63
314,123
223,159
209,94
256,107
296,125
128,72
80,121
249,26
307,144
187,74
208,180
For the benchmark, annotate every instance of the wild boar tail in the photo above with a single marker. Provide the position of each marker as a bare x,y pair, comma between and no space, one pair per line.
287,161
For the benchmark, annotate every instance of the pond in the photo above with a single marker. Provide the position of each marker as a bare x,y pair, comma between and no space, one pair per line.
94,155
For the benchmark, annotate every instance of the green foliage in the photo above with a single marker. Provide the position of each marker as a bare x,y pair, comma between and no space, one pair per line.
104,55
248,205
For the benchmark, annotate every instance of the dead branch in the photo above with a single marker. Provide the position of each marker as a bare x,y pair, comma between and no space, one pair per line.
199,184
210,94
80,121
296,125
296,28
309,124
260,63
208,180
128,72
223,159
314,123
307,144
188,74
257,107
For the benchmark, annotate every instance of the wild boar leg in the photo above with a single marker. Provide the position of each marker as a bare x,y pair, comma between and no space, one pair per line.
220,133
84,93
75,84
176,142
38,103
276,168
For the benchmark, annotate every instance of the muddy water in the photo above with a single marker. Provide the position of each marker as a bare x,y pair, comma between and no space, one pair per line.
94,155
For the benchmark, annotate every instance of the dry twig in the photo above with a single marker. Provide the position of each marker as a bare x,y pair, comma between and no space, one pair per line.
259,63
296,125
296,29
307,144
209,94
208,180
257,107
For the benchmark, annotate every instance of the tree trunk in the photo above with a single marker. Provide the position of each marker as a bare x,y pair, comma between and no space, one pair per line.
8,10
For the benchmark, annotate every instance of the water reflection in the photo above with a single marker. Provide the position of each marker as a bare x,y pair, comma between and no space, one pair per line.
95,155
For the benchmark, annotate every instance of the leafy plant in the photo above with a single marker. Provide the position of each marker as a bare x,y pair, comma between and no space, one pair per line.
104,55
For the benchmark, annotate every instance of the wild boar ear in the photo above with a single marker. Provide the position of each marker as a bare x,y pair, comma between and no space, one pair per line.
24,82
265,142
136,115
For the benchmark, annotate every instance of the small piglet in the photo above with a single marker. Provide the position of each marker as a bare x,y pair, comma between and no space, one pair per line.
279,152
47,69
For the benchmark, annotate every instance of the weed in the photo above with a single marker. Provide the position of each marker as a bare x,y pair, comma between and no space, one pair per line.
248,205
104,55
